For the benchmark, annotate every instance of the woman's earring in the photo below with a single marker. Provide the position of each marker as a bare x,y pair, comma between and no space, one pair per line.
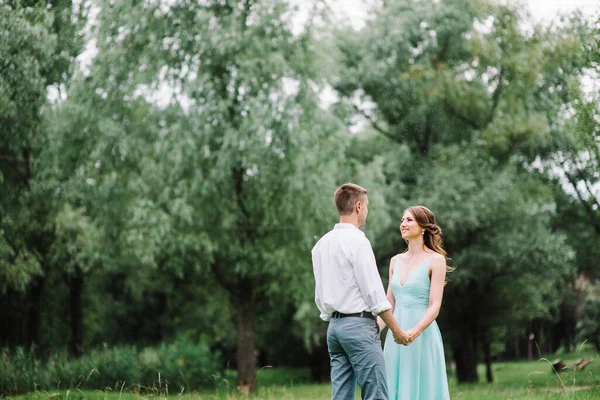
422,232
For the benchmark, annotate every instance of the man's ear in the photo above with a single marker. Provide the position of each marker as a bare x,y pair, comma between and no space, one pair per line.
357,206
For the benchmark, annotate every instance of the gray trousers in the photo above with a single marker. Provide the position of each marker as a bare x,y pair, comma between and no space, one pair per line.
356,356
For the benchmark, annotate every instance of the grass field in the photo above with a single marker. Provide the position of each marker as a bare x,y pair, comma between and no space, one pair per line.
527,380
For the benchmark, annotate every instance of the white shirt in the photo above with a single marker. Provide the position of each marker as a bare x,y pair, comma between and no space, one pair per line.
346,275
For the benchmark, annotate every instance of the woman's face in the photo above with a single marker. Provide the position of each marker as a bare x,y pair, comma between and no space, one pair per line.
409,227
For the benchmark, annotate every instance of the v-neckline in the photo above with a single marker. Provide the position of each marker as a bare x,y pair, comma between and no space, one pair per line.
410,273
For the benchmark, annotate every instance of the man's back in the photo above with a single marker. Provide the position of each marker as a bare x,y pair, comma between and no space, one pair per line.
346,275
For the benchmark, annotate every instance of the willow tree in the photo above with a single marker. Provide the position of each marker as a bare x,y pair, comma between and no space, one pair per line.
207,154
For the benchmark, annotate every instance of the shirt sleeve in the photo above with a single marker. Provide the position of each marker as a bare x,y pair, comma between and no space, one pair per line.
316,269
324,315
368,279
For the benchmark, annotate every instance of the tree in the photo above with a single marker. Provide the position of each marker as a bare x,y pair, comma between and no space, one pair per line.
232,179
446,81
39,41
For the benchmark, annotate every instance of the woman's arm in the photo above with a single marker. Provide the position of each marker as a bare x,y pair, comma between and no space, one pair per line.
390,294
438,278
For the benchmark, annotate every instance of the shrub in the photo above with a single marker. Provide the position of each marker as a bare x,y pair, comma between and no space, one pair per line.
172,367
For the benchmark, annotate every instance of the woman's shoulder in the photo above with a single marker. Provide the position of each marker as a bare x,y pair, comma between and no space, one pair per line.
437,260
397,257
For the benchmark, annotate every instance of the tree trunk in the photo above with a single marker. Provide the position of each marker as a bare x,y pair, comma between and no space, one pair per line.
76,312
487,351
462,338
465,357
245,357
33,314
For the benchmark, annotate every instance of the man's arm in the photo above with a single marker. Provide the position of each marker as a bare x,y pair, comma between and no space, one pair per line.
389,294
399,335
325,316
371,287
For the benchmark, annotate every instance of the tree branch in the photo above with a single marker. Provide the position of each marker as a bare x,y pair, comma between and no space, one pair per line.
591,193
588,209
449,108
220,276
496,96
375,125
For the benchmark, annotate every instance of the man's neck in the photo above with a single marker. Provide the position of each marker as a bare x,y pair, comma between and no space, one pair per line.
349,219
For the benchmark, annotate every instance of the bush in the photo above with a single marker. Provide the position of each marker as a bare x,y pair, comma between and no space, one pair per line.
166,368
179,365
17,371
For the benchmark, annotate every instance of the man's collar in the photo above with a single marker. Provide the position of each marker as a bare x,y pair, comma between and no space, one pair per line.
345,225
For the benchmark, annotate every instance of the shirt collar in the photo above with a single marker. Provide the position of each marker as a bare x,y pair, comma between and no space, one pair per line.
341,225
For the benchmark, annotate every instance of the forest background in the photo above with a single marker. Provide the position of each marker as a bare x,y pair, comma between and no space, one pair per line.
160,197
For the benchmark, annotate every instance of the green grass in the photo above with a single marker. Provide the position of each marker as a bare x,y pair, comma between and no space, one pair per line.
522,380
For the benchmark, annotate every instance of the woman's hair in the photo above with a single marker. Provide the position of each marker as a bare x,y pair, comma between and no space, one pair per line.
432,236
346,197
433,233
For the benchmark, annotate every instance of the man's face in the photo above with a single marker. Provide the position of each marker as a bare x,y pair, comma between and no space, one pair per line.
363,212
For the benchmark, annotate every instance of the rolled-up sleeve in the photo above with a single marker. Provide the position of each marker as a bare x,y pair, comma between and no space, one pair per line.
325,316
368,279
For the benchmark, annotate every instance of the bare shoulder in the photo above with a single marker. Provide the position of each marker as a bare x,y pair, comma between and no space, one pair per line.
438,262
394,260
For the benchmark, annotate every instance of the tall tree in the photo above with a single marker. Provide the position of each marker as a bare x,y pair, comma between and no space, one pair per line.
37,47
446,82
230,178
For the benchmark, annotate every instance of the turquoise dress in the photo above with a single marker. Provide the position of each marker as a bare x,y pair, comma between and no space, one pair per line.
416,371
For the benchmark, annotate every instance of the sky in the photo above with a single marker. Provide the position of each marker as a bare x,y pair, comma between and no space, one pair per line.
356,11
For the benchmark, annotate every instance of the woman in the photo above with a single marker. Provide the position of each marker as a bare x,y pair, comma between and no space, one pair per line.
417,277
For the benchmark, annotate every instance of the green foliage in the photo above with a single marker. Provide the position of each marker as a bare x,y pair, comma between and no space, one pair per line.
27,47
589,325
37,48
191,169
181,365
530,380
472,106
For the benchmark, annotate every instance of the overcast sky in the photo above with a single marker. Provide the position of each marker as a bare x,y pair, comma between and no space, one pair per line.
355,11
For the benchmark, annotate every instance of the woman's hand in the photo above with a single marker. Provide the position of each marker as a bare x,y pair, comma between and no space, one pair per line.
412,334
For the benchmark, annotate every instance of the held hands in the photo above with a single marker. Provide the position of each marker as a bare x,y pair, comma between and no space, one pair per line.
412,335
400,337
406,337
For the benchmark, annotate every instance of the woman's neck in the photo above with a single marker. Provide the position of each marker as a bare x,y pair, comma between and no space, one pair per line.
416,246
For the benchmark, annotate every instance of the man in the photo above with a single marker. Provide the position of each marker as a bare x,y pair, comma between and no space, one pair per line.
350,295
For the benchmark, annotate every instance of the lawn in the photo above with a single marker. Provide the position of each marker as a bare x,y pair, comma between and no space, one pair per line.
527,380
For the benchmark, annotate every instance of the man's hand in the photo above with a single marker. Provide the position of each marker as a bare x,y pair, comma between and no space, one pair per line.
401,337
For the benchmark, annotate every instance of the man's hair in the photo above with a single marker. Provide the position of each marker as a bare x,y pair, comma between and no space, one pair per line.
346,197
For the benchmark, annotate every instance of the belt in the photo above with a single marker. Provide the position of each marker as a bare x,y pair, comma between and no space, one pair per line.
363,314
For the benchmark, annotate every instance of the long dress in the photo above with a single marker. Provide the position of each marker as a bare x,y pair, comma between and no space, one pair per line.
416,371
